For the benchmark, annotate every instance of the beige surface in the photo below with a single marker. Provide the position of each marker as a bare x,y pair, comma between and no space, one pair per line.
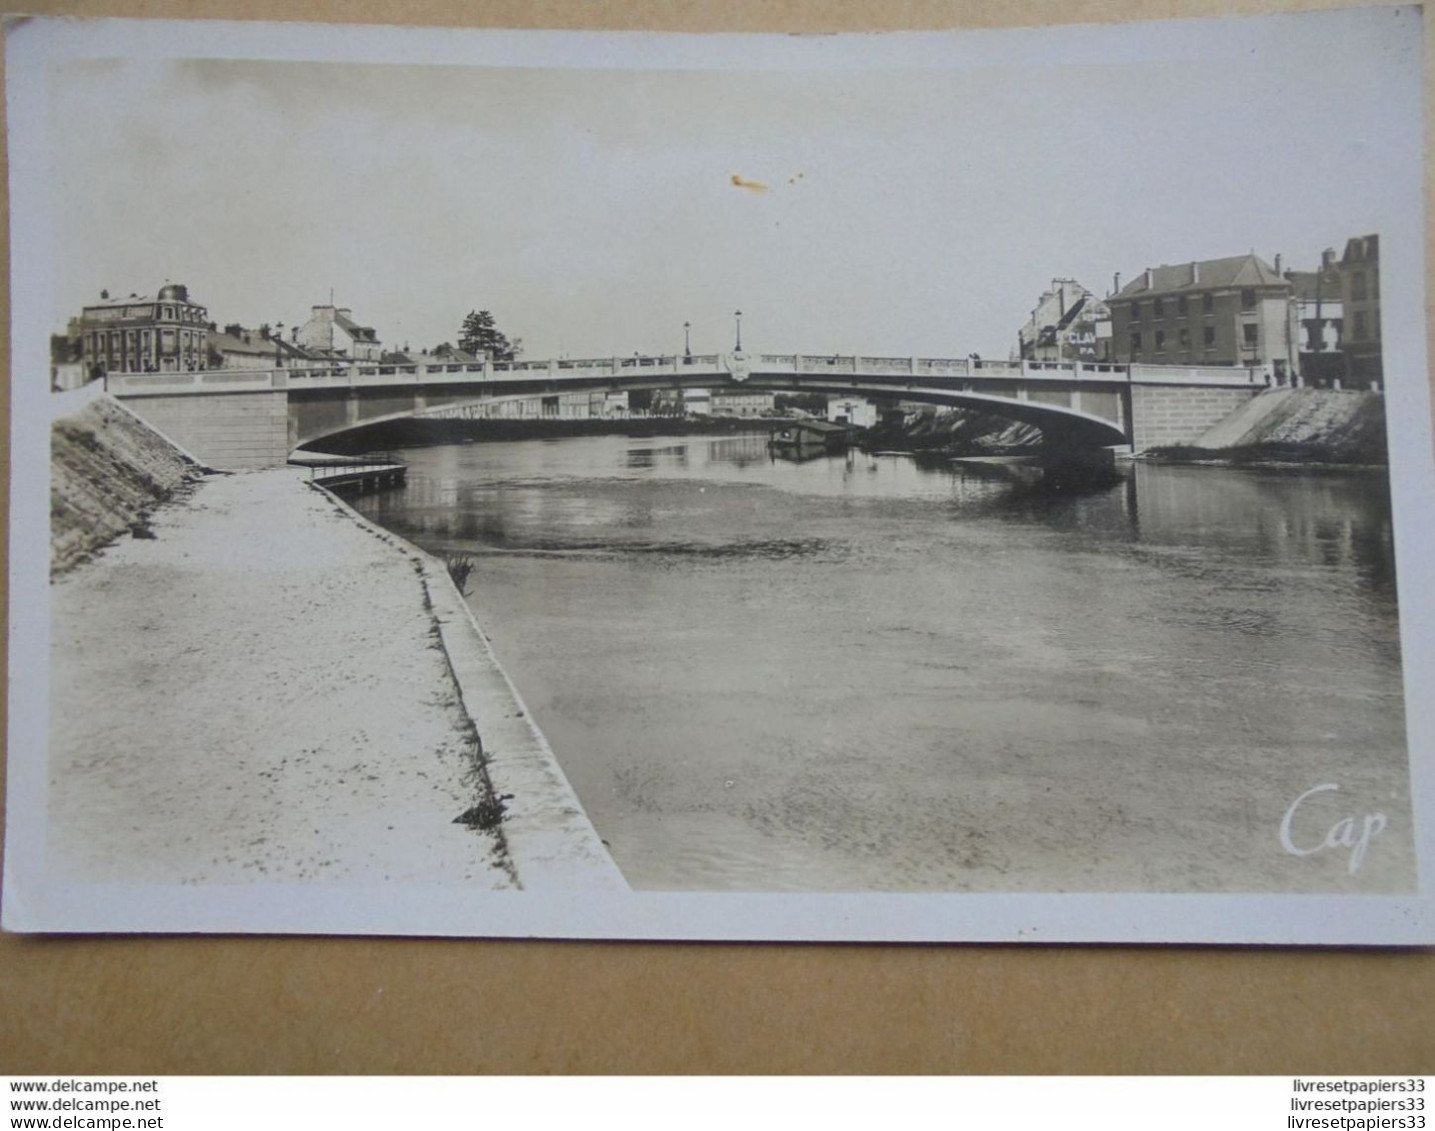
363,1005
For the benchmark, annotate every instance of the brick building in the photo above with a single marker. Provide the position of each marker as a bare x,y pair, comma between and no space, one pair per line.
1232,311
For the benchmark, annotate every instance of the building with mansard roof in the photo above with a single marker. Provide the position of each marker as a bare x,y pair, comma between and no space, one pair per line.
163,333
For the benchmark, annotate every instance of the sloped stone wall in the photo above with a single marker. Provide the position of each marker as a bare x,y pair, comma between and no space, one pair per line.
107,471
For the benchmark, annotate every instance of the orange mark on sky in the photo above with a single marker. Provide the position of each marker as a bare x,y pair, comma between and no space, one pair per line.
744,183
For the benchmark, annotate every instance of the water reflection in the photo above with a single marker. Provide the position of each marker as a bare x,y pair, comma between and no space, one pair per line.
859,673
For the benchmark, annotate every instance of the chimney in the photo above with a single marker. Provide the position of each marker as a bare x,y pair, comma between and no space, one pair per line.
1278,263
1116,283
1147,283
1327,259
1195,273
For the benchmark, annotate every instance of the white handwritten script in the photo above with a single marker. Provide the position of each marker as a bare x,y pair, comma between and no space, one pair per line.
1353,833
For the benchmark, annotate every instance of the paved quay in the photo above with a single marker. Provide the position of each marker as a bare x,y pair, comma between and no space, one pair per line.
271,689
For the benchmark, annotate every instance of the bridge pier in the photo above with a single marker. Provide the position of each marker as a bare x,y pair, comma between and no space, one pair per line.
231,431
1170,414
1067,463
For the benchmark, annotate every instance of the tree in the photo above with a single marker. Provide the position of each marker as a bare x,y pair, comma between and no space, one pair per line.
479,334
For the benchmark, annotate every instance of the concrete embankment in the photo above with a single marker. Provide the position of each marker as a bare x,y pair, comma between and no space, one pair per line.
1280,425
108,470
1296,425
265,687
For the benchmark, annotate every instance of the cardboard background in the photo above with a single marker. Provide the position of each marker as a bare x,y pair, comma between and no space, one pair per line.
254,1005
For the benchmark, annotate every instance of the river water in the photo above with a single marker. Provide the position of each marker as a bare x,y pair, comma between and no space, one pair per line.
856,674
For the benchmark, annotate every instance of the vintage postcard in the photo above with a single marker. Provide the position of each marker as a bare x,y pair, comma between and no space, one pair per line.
962,486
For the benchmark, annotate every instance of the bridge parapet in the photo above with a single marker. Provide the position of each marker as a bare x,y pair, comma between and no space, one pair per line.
714,367
1251,375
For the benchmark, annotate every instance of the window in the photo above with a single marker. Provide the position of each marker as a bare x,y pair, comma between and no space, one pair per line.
1136,312
1185,338
1160,340
1357,287
1248,299
1135,343
1249,333
1208,336
1181,307
1360,327
1208,303
1158,309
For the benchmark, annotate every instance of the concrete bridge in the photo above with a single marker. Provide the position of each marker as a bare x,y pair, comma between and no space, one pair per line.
256,417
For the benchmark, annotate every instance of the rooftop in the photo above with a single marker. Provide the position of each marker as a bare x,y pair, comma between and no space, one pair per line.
1203,275
248,342
1310,286
360,333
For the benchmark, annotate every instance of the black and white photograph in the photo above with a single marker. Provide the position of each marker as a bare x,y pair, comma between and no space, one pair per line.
936,486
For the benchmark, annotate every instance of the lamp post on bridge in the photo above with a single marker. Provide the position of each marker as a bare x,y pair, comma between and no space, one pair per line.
738,316
687,341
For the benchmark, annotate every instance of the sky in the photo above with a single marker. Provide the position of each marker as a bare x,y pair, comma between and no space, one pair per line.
892,206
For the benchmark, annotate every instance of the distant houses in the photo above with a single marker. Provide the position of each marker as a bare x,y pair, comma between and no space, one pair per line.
1320,313
333,329
234,347
1319,327
1360,297
143,334
1069,323
1231,311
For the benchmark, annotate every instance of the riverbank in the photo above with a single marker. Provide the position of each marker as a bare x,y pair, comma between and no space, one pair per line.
1333,428
266,688
108,471
1292,428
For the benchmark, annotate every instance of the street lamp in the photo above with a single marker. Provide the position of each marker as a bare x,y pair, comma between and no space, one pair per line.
687,340
738,316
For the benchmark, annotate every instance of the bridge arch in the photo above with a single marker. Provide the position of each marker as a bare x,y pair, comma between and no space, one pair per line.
1060,424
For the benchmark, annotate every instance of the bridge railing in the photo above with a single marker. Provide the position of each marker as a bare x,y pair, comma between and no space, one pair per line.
943,366
1200,374
558,372
884,364
807,363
